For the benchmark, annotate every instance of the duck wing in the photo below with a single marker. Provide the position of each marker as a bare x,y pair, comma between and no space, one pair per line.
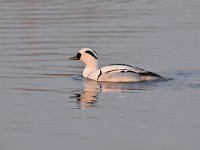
123,68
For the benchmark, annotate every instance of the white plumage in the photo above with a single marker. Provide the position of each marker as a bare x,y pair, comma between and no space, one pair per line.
111,73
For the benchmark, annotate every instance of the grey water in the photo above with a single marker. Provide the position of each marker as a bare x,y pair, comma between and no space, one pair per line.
45,104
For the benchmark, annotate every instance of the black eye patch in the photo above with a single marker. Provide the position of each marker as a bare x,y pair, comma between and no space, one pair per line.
78,56
91,53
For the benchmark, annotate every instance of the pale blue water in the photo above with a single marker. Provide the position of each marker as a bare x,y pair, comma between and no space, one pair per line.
45,104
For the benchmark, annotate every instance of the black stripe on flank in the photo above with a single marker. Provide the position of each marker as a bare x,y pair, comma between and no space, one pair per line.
99,75
91,53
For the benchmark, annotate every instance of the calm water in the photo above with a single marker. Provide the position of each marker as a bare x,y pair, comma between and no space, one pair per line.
45,104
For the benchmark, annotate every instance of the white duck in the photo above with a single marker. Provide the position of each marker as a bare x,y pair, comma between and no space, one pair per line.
111,73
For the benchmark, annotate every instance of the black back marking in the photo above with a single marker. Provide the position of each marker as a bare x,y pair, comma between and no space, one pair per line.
121,70
123,65
112,70
148,73
128,66
91,53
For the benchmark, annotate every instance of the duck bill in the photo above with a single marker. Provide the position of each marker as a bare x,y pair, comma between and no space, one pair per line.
74,58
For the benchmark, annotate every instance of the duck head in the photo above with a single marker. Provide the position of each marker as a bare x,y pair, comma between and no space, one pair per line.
89,57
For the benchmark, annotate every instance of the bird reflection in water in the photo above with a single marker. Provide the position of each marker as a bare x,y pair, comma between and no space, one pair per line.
88,97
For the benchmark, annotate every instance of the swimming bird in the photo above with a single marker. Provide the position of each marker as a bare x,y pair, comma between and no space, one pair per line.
113,72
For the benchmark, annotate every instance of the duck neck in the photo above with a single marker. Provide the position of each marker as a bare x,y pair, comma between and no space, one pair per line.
90,67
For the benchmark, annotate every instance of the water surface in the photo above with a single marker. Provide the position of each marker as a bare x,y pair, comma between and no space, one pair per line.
45,103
